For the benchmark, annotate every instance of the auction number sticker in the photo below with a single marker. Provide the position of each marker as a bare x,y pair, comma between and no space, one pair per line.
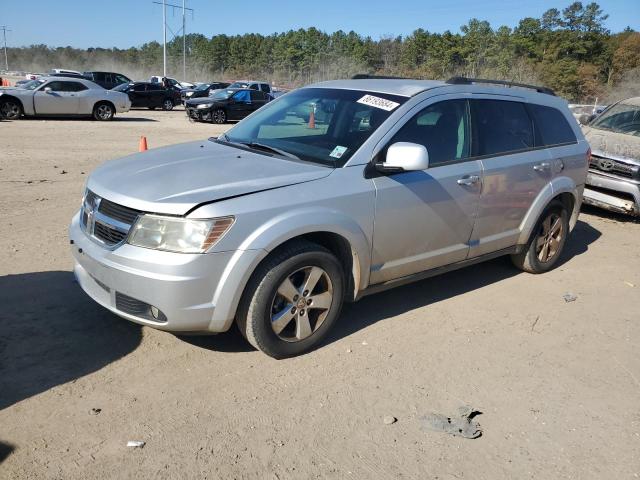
338,151
378,102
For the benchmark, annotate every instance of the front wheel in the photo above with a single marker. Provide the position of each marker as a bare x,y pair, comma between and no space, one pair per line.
547,241
10,109
103,112
219,116
292,300
167,104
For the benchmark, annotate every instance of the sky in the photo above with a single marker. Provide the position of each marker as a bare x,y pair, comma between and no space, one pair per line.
126,23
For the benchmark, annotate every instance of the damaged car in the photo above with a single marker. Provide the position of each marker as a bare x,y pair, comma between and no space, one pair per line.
613,182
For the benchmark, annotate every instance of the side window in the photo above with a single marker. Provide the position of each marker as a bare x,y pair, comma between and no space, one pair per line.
500,126
75,87
121,79
154,87
266,88
551,125
254,86
257,96
55,86
242,96
443,128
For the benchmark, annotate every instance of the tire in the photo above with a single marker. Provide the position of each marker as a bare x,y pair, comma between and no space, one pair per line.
276,291
103,112
10,109
219,116
545,247
167,104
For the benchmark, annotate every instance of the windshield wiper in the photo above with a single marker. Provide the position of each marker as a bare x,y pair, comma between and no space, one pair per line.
269,148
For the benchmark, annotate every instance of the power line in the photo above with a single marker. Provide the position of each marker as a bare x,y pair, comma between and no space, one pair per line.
4,36
184,34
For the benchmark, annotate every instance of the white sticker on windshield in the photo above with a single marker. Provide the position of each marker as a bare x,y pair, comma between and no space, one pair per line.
378,102
338,152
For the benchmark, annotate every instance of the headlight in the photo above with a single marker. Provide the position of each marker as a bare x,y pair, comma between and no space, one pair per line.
181,235
189,94
204,105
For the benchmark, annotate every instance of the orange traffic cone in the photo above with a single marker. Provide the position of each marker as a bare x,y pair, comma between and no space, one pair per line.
312,117
142,146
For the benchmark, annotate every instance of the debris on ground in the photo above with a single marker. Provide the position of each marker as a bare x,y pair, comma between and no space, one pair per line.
135,444
461,425
95,411
388,420
364,342
569,297
629,284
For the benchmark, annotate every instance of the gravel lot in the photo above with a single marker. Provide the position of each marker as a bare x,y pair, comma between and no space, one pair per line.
558,383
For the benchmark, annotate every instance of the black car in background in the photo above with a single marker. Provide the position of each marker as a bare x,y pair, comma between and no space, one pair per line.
108,80
227,104
201,90
150,95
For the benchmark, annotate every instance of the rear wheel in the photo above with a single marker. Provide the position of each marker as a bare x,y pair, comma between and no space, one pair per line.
292,300
219,116
547,241
167,104
10,109
103,112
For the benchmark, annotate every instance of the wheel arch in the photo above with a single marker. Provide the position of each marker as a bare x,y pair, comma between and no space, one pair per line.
5,97
108,102
563,189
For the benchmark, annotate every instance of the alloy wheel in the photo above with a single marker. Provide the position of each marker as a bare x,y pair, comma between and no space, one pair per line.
167,105
549,238
301,304
219,116
10,110
104,112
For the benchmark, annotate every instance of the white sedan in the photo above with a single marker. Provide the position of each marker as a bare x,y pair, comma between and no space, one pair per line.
62,96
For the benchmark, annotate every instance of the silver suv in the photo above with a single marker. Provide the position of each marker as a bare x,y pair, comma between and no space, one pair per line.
292,212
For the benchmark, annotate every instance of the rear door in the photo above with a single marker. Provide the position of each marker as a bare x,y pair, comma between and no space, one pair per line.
138,95
155,94
61,99
258,99
240,105
424,219
515,171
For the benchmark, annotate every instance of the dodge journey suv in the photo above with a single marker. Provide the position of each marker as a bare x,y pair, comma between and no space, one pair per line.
278,222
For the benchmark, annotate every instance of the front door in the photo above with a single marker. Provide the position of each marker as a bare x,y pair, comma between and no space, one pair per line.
61,99
424,219
240,105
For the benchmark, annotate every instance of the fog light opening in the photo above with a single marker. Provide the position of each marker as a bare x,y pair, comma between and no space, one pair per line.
155,312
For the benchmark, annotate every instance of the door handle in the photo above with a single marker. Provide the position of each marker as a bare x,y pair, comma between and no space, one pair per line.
469,180
541,167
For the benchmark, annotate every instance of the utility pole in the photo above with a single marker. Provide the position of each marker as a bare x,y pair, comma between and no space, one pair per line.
4,35
164,33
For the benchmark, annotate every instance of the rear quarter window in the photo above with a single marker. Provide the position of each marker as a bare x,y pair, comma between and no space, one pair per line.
500,127
552,126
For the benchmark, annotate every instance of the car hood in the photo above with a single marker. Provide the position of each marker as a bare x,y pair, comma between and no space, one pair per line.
612,144
173,180
199,101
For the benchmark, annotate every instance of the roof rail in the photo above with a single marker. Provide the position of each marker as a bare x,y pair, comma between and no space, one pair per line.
469,81
366,76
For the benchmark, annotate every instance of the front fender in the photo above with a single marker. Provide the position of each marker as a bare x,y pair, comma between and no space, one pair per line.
273,233
557,186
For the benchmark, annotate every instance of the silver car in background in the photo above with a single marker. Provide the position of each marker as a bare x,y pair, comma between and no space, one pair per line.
329,193
62,97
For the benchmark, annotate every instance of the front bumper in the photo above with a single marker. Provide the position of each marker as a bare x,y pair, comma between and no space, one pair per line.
612,193
182,287
198,114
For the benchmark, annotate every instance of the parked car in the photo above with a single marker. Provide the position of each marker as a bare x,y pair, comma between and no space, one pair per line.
62,96
201,90
613,182
271,225
150,95
107,80
577,110
225,105
254,85
172,82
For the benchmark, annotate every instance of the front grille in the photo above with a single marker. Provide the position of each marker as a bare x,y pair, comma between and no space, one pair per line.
615,167
138,308
108,235
105,221
119,212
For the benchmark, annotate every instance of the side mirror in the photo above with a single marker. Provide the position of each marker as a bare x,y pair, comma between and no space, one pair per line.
585,119
405,157
47,90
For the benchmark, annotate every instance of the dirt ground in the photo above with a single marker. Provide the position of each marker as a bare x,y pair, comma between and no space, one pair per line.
558,383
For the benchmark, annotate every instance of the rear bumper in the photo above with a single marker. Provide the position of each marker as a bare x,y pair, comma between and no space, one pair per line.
614,194
184,288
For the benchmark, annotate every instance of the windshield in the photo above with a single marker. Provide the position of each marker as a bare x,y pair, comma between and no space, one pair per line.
621,118
122,87
221,94
33,84
239,85
319,125
202,87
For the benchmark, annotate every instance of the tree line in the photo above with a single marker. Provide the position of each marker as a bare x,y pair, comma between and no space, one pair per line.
568,50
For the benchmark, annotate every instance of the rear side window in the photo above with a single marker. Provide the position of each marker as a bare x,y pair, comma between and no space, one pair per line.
500,127
257,96
552,126
266,88
139,88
